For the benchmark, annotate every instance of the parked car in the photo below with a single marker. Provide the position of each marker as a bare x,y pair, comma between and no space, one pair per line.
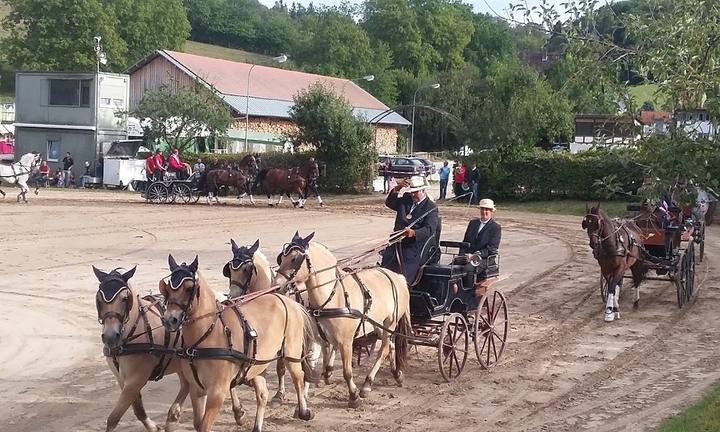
429,166
402,166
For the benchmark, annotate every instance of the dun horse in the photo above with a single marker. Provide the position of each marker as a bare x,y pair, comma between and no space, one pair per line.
616,247
19,172
346,304
230,344
249,272
239,179
137,346
282,181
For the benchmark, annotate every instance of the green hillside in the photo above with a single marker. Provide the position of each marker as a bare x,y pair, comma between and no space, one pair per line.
215,51
647,92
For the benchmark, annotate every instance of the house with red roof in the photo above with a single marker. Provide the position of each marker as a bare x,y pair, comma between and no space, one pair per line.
264,93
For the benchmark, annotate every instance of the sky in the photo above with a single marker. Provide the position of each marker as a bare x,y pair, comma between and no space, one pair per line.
492,7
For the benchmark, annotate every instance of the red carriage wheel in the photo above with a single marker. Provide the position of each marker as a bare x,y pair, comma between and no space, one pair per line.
453,346
490,328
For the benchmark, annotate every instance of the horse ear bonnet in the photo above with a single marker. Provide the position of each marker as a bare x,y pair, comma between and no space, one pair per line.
178,275
110,286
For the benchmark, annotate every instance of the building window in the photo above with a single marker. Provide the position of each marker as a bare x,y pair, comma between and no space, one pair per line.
53,150
69,92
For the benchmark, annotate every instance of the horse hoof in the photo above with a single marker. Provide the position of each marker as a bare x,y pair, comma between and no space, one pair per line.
365,392
355,403
307,415
295,204
636,304
399,377
276,401
609,316
239,416
270,205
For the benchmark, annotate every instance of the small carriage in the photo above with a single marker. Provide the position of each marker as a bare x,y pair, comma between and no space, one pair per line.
669,238
454,304
172,190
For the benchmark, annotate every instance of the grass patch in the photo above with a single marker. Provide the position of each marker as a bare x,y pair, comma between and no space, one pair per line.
215,51
648,92
565,207
704,416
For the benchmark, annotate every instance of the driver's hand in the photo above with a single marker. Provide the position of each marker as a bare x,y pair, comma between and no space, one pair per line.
410,232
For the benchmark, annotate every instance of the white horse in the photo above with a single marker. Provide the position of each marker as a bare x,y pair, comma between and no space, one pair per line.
19,172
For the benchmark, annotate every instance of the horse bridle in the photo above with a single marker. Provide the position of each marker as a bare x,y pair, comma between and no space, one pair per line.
101,294
586,225
236,264
176,284
289,247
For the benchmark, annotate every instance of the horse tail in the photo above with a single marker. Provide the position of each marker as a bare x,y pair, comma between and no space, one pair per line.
402,331
310,337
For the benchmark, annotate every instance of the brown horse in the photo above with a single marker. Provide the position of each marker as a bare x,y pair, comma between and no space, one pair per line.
617,247
137,346
239,179
249,272
350,304
233,342
283,181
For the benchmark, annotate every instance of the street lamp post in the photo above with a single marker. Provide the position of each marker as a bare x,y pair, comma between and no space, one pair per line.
412,127
100,57
366,78
279,59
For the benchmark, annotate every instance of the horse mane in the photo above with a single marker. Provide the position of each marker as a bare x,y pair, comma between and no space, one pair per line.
326,251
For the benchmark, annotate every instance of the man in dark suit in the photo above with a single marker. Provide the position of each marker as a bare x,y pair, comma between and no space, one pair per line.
417,221
483,233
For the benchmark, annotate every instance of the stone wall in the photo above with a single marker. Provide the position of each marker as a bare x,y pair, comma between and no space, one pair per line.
385,136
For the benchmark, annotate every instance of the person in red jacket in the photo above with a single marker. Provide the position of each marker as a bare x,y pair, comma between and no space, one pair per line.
176,165
150,168
159,167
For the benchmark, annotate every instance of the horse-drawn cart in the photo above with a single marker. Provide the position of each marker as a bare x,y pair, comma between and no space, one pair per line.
172,190
669,237
454,304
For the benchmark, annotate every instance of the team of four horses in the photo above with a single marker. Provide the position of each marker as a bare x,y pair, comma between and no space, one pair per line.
215,345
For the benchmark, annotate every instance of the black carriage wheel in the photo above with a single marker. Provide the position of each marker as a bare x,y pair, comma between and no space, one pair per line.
453,346
603,289
181,193
679,279
157,193
490,328
702,241
689,271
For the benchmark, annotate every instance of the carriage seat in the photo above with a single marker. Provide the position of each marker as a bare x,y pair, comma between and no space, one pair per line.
445,270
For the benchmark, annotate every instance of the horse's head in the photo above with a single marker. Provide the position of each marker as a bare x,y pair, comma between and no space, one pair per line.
30,160
114,301
291,260
241,269
593,223
249,163
181,294
310,169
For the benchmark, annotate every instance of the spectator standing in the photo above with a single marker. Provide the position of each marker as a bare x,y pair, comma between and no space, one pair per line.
387,176
458,180
60,178
473,179
68,164
199,166
444,178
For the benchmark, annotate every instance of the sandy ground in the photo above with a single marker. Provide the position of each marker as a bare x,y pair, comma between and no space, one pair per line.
564,370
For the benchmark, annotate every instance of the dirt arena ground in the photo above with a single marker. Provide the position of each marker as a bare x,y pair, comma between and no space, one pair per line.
564,369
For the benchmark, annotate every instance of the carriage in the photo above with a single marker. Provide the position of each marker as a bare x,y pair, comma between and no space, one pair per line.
454,304
172,190
669,239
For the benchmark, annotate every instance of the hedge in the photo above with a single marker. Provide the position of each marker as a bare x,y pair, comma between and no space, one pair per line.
556,175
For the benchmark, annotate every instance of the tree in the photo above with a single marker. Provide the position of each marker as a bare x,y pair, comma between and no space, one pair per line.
326,122
146,26
178,115
57,35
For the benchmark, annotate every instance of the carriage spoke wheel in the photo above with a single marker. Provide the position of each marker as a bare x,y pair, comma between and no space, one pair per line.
679,279
689,270
490,328
181,193
603,289
157,193
702,242
453,346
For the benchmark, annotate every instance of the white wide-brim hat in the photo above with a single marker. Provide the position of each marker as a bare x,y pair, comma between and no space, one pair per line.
487,203
416,183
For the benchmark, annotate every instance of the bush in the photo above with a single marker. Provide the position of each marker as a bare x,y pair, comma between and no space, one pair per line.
541,175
